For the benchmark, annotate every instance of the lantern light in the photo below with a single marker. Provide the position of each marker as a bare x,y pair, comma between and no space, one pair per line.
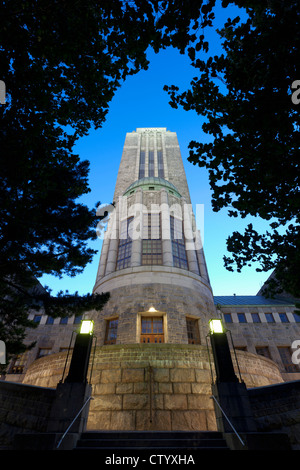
216,326
87,327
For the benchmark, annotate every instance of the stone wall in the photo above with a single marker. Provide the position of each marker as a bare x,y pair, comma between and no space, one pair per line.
180,377
167,290
272,336
23,408
277,409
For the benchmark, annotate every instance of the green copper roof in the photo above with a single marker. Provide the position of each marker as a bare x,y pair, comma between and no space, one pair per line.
152,182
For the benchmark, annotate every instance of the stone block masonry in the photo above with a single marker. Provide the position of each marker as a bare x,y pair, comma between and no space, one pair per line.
23,408
125,405
179,375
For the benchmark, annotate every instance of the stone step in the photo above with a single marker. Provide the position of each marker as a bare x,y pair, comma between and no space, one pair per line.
150,443
151,434
154,450
151,440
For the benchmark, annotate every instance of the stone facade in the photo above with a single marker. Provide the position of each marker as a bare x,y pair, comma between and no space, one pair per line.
167,385
263,326
23,409
153,387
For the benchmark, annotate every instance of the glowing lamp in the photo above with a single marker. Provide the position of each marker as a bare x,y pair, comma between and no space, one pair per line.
87,327
216,326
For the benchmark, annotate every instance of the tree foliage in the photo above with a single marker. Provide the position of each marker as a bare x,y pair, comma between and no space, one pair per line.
252,157
62,62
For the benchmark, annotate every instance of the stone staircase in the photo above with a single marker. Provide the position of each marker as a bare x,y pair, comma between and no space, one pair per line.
155,442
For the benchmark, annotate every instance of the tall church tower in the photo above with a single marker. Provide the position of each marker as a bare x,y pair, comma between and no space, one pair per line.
152,259
150,368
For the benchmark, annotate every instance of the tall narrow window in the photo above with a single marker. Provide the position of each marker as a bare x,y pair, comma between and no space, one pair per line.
151,243
142,164
286,357
283,317
17,364
263,351
269,317
178,244
111,331
192,331
242,318
160,164
152,330
151,163
125,244
227,317
255,318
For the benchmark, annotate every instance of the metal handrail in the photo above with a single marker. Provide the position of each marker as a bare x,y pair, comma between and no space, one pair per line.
67,430
151,392
235,431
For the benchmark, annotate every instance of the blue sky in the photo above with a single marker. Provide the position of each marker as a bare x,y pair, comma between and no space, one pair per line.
141,102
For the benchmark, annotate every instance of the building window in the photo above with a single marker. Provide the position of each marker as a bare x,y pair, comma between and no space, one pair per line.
142,164
286,357
50,321
64,321
270,318
77,319
125,244
255,318
111,331
43,352
152,330
160,163
37,318
151,163
66,349
263,351
17,364
242,318
178,244
151,243
192,331
227,317
283,317
297,317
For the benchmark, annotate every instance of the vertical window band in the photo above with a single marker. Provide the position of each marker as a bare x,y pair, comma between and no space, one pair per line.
125,244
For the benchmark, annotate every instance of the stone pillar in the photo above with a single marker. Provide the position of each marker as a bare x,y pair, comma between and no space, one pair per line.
188,237
103,257
163,143
136,250
155,153
202,264
113,236
165,229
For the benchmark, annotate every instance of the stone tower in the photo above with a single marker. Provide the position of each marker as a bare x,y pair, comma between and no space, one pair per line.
152,256
150,367
153,365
